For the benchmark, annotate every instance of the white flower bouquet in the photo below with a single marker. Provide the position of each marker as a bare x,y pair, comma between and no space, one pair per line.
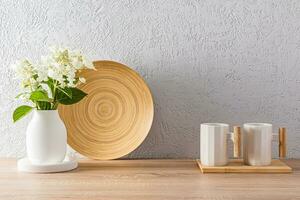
52,81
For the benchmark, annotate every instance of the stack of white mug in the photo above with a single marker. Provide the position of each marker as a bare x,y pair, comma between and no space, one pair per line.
256,143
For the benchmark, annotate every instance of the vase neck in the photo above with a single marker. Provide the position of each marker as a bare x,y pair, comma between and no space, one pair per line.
46,113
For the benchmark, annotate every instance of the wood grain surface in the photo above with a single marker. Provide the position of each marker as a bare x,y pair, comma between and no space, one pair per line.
115,117
145,179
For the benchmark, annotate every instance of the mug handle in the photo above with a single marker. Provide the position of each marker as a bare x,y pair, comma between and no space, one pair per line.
281,135
235,137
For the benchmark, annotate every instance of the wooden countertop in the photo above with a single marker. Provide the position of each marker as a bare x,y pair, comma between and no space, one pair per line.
145,179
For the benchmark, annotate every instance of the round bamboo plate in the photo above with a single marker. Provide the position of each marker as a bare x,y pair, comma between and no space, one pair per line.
116,115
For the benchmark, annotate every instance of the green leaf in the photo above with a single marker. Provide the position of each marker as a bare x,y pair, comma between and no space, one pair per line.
21,112
39,95
66,91
77,95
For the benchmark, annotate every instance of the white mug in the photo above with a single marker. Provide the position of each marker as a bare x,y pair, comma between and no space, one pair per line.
257,143
213,147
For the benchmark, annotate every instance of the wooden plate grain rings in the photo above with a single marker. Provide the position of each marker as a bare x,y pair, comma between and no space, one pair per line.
114,118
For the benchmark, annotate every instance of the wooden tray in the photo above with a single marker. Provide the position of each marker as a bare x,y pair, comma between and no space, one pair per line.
237,166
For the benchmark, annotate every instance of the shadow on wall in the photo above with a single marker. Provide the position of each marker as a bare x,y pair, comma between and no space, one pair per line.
179,100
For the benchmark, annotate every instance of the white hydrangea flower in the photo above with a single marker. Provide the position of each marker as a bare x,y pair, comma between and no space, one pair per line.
25,71
54,73
61,65
42,70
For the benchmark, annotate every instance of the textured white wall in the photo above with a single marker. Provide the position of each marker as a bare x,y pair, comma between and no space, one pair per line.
205,61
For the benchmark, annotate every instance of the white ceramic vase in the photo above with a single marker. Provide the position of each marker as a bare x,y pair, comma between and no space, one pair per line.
46,138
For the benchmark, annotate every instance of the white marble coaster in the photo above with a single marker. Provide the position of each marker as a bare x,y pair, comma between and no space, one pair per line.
24,165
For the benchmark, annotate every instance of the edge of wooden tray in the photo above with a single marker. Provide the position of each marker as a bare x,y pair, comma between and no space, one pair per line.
237,166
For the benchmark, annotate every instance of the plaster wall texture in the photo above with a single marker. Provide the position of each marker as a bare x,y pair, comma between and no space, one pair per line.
226,61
